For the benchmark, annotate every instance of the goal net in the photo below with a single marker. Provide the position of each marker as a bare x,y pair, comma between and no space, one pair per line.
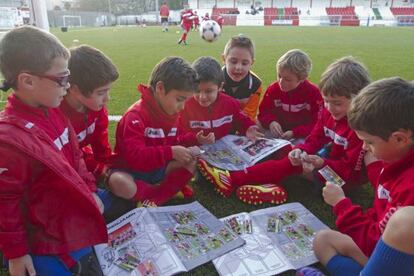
72,21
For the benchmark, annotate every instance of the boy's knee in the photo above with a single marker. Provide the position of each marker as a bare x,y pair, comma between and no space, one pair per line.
122,184
401,223
322,241
322,238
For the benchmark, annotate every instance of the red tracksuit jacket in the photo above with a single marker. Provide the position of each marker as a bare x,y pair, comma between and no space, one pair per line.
346,155
222,117
145,135
91,129
46,199
394,188
296,110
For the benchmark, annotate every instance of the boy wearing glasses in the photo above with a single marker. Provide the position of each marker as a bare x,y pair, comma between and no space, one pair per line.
91,78
42,173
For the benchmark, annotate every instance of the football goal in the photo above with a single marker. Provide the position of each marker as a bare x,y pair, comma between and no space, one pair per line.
72,21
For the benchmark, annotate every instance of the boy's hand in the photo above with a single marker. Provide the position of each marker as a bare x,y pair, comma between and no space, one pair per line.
205,139
369,158
287,135
295,157
276,129
22,265
196,151
316,161
181,154
253,133
98,202
332,194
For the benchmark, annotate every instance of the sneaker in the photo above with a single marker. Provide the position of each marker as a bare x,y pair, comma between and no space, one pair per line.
186,193
259,194
218,177
179,41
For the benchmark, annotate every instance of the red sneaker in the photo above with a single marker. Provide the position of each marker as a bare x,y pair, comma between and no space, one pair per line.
259,194
218,177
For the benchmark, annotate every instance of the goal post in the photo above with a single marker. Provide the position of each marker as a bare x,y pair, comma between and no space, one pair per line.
72,21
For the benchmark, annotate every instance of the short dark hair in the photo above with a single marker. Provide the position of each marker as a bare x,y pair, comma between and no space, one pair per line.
175,73
345,77
28,49
90,69
383,107
208,69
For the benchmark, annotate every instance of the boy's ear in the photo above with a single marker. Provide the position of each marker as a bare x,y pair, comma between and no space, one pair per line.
159,88
223,58
402,136
25,81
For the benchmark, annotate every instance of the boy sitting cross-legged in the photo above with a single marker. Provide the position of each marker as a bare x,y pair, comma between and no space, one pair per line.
383,118
341,81
149,165
291,105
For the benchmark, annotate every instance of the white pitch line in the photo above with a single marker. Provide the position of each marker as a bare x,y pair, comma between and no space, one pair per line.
114,118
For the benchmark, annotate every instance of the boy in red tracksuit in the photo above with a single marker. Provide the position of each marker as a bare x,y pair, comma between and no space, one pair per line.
383,118
187,18
339,83
51,217
146,137
92,75
291,105
210,114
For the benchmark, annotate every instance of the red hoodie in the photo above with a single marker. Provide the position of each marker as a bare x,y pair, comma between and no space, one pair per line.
46,199
394,188
222,117
346,154
91,129
295,110
145,135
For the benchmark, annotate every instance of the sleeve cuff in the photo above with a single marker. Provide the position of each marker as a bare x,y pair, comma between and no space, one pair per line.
341,206
12,250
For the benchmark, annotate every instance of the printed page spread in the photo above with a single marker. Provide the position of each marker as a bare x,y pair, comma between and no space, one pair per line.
277,239
236,153
164,241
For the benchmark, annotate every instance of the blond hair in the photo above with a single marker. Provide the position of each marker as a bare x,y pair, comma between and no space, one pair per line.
297,62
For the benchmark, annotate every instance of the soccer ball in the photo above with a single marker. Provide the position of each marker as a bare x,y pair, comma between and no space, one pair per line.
209,30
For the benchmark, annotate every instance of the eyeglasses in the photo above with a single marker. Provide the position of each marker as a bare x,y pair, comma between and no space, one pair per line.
60,80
